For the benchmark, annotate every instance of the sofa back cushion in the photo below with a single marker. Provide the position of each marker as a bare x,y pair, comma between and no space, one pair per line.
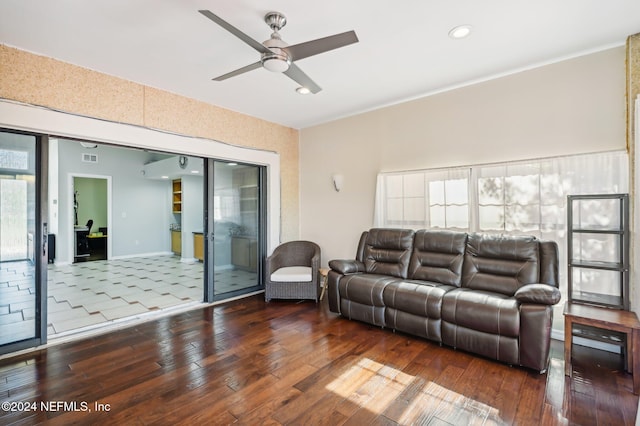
549,263
361,245
500,264
388,251
438,256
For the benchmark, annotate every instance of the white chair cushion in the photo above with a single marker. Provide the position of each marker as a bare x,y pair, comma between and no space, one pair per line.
292,274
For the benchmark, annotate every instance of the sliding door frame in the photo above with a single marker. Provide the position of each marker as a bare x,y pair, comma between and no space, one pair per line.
42,225
208,236
40,244
209,232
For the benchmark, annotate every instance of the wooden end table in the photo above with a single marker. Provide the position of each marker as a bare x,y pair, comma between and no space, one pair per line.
608,319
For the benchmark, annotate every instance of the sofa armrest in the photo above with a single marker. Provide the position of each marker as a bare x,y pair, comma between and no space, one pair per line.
347,266
542,294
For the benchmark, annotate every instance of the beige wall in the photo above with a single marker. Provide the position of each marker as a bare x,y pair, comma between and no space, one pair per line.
573,106
38,80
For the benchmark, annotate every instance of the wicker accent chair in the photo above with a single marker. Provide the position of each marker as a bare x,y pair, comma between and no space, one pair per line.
291,272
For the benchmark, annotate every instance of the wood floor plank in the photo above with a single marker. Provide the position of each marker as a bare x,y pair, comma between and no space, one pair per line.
289,363
554,390
627,402
529,399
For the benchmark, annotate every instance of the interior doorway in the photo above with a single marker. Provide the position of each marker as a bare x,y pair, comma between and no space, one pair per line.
152,197
90,198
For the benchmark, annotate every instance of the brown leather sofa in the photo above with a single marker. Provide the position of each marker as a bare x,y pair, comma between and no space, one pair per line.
488,294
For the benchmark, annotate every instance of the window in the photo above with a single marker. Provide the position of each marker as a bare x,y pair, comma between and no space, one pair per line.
517,198
13,227
524,197
527,197
13,159
424,199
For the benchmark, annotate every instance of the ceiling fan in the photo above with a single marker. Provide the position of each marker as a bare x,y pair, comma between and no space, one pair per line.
278,56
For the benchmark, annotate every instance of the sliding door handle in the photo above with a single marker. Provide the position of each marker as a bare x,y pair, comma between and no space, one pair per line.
45,236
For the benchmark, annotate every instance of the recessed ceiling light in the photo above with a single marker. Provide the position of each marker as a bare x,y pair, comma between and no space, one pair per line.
164,177
461,31
303,90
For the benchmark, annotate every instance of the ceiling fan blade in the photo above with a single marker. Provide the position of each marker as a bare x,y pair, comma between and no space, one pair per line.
239,71
321,45
236,32
296,74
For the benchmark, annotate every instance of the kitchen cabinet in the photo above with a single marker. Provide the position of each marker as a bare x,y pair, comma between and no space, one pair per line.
176,187
176,242
198,246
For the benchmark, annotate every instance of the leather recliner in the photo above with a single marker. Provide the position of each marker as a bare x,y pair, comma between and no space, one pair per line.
488,294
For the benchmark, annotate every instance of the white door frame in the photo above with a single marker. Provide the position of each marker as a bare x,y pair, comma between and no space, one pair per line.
70,236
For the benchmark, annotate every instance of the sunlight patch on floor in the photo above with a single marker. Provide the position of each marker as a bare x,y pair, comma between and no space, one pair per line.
407,399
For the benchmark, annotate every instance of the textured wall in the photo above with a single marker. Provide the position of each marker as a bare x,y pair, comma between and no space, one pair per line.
633,82
38,80
633,90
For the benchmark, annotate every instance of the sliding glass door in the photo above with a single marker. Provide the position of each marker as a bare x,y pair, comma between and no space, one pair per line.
22,241
236,217
222,219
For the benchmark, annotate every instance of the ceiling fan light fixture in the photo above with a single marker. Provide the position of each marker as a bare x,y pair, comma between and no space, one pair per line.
277,60
303,90
275,64
461,31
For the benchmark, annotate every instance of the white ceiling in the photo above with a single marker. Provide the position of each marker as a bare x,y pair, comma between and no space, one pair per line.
404,50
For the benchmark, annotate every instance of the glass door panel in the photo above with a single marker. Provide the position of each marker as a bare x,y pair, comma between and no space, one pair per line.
237,227
19,241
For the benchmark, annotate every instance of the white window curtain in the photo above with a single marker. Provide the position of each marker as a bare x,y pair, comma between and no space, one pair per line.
524,197
530,197
423,199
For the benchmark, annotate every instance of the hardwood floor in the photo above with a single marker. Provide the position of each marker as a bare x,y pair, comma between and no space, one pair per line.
251,362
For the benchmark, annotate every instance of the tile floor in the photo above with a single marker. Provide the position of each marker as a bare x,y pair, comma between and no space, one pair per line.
99,292
17,301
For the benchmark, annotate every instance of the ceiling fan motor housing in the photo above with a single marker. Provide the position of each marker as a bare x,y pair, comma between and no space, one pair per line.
278,60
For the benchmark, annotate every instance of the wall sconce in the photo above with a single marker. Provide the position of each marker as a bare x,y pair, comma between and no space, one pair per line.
338,181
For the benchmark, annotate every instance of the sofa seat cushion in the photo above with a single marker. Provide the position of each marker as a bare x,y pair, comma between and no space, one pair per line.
292,274
483,311
416,297
366,289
